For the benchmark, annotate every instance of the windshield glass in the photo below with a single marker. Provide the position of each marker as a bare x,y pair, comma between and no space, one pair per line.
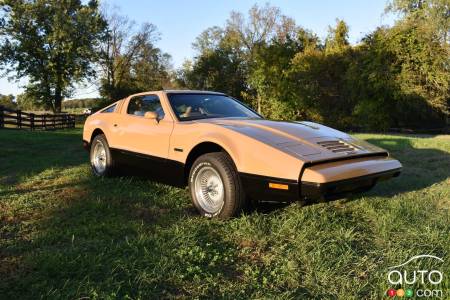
200,106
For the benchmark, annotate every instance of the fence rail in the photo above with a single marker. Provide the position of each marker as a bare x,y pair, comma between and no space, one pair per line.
33,121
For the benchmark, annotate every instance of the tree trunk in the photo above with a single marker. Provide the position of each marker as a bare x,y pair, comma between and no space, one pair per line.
58,90
58,100
258,99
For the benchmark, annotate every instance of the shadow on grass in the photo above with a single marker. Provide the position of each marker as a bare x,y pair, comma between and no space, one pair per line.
122,237
25,152
422,167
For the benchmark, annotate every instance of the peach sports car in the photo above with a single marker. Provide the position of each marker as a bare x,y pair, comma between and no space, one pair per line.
227,154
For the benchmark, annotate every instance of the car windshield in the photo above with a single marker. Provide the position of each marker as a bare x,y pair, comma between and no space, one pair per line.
189,107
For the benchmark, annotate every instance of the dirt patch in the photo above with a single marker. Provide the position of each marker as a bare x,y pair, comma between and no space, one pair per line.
247,244
251,251
69,194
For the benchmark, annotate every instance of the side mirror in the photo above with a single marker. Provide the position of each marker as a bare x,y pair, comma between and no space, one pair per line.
151,115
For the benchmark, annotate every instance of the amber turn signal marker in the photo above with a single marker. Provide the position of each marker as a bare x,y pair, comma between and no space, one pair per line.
278,186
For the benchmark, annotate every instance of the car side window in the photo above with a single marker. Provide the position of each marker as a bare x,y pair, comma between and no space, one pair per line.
139,105
110,109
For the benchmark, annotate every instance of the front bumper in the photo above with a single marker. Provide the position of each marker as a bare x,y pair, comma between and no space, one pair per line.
334,180
341,188
324,180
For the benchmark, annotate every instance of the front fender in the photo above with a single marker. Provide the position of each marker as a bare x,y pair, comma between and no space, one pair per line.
255,157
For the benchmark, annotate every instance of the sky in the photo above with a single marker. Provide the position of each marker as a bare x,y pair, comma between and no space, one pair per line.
180,22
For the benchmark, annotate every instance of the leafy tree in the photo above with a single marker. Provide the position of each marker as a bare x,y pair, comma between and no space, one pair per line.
52,42
26,101
420,43
130,62
400,77
270,75
80,103
433,14
227,56
396,77
337,39
263,25
218,66
8,101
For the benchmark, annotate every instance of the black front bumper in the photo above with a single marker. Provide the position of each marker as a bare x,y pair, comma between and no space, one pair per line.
342,188
257,187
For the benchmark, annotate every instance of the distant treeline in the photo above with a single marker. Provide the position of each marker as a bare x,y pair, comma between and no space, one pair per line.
81,103
396,77
26,103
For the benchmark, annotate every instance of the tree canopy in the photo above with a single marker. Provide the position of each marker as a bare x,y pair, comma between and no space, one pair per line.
130,61
395,77
51,42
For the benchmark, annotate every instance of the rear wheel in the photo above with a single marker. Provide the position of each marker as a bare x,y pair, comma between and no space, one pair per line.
100,156
215,187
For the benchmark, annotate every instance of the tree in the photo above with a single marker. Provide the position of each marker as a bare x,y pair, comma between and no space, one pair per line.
270,74
26,102
219,64
52,42
130,62
8,101
337,39
395,77
262,25
226,57
434,14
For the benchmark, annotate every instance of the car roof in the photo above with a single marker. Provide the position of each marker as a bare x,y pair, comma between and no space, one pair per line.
180,92
191,92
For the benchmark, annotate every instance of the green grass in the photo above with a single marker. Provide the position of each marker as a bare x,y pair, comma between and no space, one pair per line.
67,234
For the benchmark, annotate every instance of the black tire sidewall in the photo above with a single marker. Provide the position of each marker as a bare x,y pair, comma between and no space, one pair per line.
109,162
224,166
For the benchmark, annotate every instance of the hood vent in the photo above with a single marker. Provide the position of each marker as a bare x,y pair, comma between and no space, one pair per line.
337,146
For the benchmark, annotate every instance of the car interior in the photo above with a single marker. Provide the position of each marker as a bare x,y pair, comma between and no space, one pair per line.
139,105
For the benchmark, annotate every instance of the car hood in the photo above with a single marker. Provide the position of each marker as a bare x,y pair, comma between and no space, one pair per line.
307,140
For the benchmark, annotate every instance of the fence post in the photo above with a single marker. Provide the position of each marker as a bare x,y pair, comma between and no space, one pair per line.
44,122
32,121
19,118
2,117
54,120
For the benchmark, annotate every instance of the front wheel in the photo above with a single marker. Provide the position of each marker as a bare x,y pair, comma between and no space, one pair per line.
215,187
102,163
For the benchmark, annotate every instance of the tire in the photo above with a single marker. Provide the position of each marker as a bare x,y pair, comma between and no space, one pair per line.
102,162
215,188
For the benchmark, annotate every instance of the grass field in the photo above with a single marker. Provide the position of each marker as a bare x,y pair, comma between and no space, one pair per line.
66,234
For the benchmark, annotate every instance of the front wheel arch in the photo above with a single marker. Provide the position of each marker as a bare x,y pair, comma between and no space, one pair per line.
199,150
96,132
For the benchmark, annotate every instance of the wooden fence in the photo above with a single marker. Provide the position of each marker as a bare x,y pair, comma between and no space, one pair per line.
20,119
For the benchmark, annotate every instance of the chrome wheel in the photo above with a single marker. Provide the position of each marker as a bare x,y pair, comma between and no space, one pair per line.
98,159
209,189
